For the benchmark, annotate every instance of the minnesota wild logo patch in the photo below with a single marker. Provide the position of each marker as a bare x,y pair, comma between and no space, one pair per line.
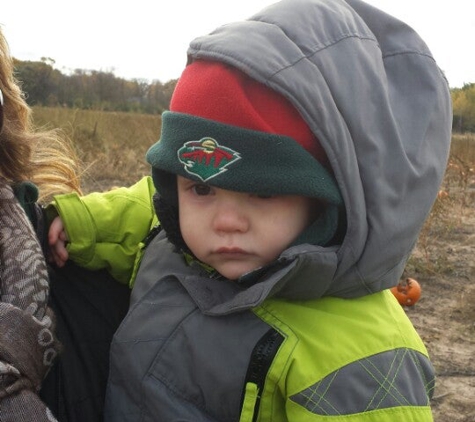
206,158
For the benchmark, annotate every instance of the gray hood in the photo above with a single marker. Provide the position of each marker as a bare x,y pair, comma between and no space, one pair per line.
370,90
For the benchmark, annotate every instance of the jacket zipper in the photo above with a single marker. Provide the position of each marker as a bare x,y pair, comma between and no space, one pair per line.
261,359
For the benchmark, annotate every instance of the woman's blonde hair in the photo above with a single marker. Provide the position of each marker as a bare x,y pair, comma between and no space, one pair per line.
45,157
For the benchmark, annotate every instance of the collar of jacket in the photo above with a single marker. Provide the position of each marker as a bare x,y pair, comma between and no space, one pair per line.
286,278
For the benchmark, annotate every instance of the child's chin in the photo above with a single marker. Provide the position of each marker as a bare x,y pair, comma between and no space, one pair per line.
234,274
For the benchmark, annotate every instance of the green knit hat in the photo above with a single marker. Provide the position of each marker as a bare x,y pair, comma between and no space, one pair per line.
229,131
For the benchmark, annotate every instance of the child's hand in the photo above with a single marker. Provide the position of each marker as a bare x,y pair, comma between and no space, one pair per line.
57,240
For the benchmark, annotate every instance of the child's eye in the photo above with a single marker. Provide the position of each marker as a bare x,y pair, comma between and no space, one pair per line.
201,189
261,196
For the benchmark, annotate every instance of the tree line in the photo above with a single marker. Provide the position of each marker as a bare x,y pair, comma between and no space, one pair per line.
97,90
463,100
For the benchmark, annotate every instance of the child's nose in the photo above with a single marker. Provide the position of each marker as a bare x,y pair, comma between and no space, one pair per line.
230,216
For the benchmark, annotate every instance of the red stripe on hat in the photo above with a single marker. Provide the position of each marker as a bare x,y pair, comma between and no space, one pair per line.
215,91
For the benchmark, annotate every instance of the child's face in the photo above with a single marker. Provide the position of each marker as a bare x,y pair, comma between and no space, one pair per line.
237,232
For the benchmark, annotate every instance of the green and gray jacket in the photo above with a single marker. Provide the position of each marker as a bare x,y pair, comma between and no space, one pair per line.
193,348
317,336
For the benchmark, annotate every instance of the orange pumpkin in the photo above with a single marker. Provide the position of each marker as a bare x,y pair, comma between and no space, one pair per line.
407,292
442,194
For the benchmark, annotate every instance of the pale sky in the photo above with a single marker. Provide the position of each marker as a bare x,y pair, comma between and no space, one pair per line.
146,39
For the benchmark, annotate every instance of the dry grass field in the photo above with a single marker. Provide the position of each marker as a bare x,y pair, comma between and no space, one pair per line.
112,147
444,264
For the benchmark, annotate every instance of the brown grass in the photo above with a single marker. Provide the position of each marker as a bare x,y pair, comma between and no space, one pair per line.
111,145
456,198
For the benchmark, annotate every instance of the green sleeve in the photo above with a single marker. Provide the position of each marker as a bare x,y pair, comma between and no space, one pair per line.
105,229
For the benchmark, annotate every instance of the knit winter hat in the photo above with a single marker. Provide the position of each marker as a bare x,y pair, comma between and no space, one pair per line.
230,131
